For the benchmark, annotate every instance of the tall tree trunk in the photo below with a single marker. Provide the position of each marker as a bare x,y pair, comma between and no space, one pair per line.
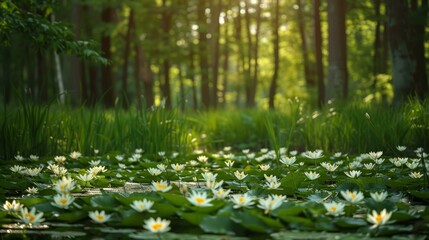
276,52
225,62
403,61
191,75
215,55
241,60
309,80
254,83
203,54
182,89
166,25
318,52
337,68
248,73
107,73
418,23
144,72
130,28
77,82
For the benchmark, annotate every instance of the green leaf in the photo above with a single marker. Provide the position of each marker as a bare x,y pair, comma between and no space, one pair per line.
72,217
346,222
193,218
164,210
292,182
218,225
250,221
104,201
175,199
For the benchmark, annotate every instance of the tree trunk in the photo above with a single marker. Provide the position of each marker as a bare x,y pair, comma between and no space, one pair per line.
250,102
107,73
182,89
241,60
418,24
225,62
276,52
403,61
78,86
130,28
203,52
318,53
215,55
143,70
166,25
309,80
191,75
254,82
337,68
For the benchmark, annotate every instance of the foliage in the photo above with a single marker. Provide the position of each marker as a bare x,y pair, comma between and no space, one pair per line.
30,20
126,178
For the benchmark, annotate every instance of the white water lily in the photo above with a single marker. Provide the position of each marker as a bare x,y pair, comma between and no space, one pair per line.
75,155
352,197
99,217
157,225
62,201
369,166
97,169
60,159
13,206
32,190
161,167
220,193
401,148
161,186
178,167
213,184
312,175
31,217
240,175
202,159
209,176
416,175
199,199
264,167
313,154
379,196
269,204
375,155
272,185
229,163
242,200
142,205
94,162
378,219
85,177
353,173
64,185
288,161
154,171
270,178
334,208
412,165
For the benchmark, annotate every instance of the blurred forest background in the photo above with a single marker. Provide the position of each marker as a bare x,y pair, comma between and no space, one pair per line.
208,54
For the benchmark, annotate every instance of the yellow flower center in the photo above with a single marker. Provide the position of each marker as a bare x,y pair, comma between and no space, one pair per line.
241,199
161,186
352,195
62,187
30,217
219,192
200,200
100,217
156,226
64,201
378,218
334,208
141,205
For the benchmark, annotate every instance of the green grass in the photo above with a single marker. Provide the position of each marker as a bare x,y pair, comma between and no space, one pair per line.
52,129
